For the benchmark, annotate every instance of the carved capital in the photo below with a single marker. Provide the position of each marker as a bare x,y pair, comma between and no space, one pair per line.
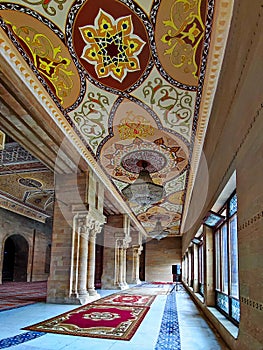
98,227
90,222
137,249
80,221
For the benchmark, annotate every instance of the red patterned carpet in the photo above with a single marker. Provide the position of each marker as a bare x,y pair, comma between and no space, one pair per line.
96,320
16,294
127,299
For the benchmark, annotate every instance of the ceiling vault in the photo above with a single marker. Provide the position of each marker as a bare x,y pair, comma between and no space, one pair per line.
129,81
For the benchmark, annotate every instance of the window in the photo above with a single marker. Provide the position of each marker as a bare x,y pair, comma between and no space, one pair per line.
226,262
190,267
201,273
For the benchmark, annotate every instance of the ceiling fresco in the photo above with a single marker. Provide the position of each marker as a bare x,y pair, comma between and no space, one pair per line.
128,77
27,186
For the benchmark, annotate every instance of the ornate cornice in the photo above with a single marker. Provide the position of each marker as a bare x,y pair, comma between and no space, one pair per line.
22,209
220,31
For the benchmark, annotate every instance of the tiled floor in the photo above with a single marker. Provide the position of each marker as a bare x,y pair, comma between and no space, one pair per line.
195,334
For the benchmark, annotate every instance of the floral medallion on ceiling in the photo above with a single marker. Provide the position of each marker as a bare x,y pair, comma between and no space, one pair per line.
111,46
137,137
127,76
179,36
48,54
111,43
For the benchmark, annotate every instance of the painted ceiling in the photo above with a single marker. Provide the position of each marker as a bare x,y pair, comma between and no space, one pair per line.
132,79
27,186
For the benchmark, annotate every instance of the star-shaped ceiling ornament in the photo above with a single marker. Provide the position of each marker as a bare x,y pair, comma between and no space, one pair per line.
111,46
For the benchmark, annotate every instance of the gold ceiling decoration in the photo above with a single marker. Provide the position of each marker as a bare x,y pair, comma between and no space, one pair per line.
121,78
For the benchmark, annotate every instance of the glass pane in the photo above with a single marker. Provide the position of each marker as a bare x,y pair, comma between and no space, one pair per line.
233,205
222,302
186,269
234,290
235,309
200,264
201,289
203,266
224,260
190,278
217,262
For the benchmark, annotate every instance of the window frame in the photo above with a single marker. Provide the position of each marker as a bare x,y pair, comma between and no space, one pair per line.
201,267
223,295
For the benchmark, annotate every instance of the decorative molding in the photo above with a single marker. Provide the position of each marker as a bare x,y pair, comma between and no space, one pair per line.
22,209
221,25
252,303
252,220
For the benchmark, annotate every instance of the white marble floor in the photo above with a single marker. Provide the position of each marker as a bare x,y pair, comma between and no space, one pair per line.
195,333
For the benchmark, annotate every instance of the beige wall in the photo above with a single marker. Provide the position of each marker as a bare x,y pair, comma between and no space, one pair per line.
159,258
234,142
13,224
68,192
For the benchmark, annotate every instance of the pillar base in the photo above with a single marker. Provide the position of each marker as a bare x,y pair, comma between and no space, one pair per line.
88,298
93,293
123,286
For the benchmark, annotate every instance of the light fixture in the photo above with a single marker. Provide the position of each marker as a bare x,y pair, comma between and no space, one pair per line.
158,232
143,190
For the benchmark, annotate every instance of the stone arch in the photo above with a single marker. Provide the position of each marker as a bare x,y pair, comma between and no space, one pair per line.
15,259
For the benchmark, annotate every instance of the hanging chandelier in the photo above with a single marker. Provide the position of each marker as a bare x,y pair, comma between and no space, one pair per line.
143,190
158,232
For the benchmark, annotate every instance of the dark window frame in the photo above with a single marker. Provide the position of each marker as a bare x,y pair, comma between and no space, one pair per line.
219,290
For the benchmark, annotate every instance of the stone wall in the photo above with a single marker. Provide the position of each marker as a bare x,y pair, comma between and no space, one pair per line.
234,143
70,190
38,238
159,258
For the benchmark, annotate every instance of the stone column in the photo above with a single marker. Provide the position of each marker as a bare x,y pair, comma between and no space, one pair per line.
209,291
92,259
121,245
83,259
124,266
137,249
78,224
118,260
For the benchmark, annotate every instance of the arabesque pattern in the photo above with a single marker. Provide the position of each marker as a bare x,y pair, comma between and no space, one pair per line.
124,80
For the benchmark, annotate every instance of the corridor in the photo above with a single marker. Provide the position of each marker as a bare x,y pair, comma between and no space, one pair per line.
173,322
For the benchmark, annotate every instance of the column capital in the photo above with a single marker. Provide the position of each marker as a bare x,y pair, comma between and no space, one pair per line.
137,249
97,215
98,227
119,235
81,222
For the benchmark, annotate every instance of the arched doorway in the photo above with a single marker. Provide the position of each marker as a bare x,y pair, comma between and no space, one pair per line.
15,259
